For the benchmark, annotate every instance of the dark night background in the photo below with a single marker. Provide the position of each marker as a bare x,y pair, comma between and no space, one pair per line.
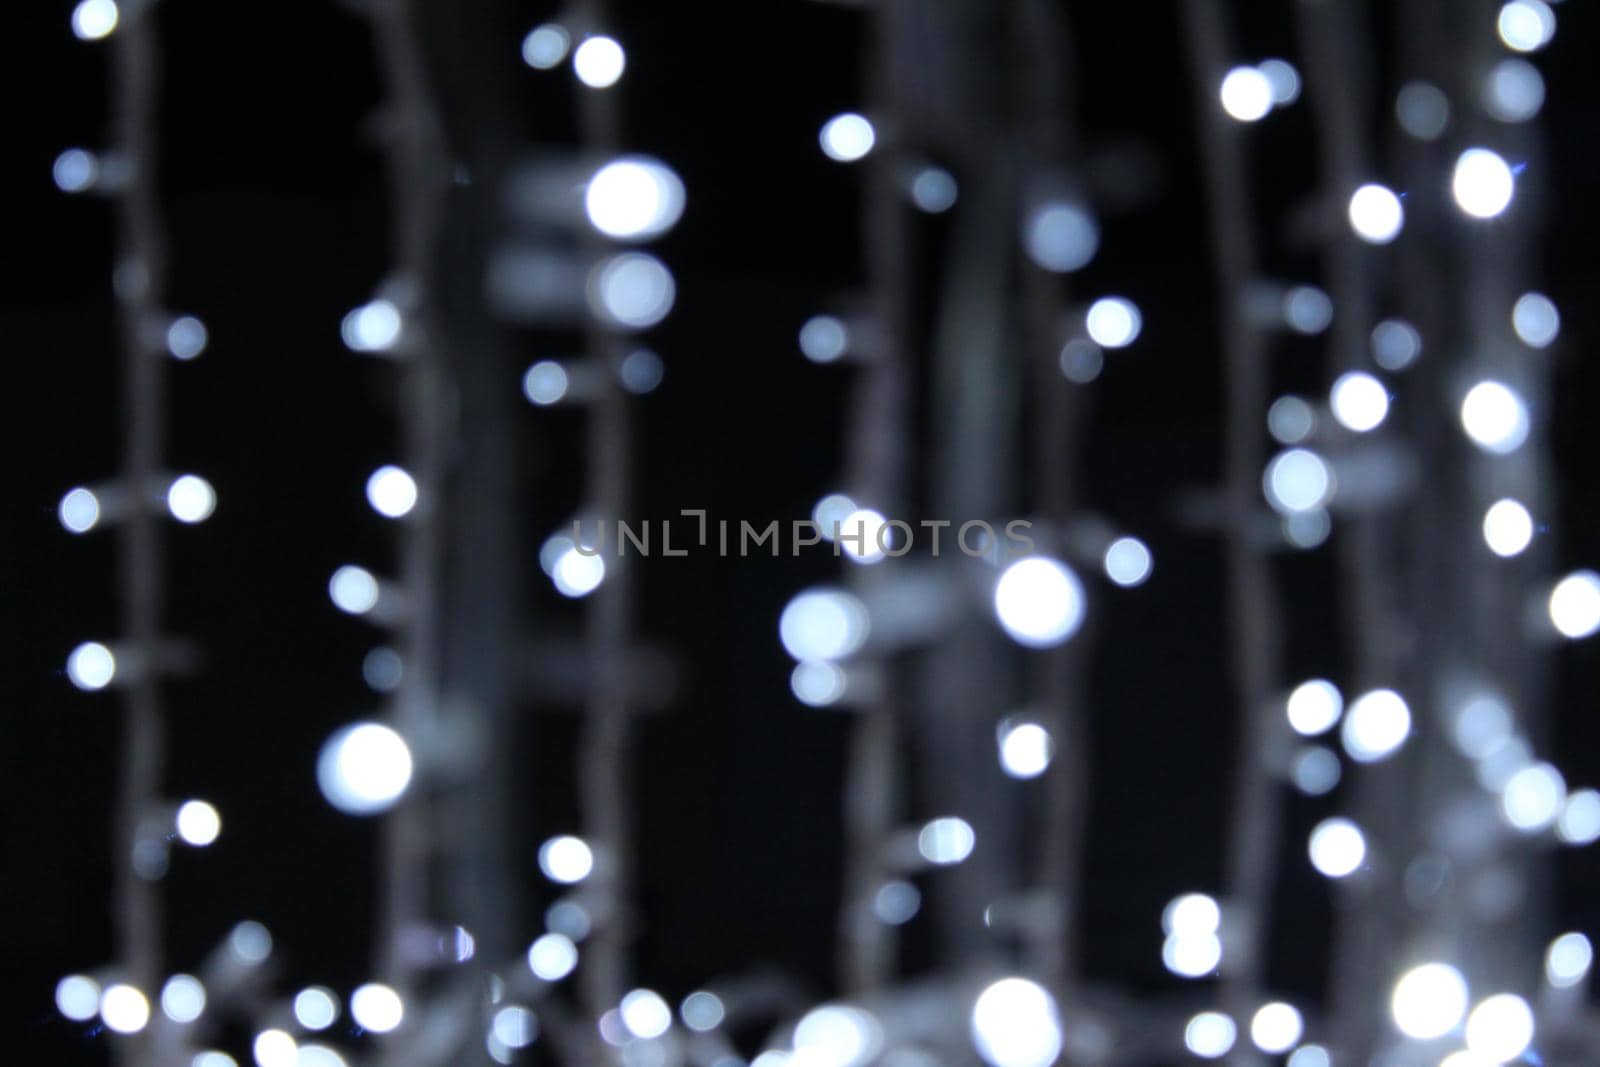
278,217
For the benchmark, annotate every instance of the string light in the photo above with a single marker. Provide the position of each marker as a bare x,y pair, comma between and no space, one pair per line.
1482,183
1015,1023
599,62
1061,236
392,492
1276,1027
1338,848
634,198
1375,726
1574,604
376,1007
847,138
1500,1028
1507,528
1039,601
1429,1001
94,19
198,823
1376,214
545,46
1246,94
1495,417
364,768
1359,401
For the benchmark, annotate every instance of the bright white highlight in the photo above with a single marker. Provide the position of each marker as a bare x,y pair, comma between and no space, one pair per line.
275,1048
1026,749
515,1026
599,62
545,46
78,997
391,492
79,510
1500,1028
634,198
1061,236
1337,848
817,683
566,859
373,327
191,499
183,998
1526,25
1276,1027
1309,1056
1580,818
1210,1035
316,1008
545,382
946,840
823,624
1533,798
860,535
1015,1024
1575,604
577,574
837,1035
645,1014
91,666
1314,707
1039,601
1192,956
1113,322
1507,528
353,590
364,768
1483,183
1428,1001
1567,961
1359,401
94,19
633,290
1494,416
1375,214
1535,319
846,138
552,957
124,1009
1191,915
832,510
1246,94
1127,562
377,1008
1298,480
1376,725
198,823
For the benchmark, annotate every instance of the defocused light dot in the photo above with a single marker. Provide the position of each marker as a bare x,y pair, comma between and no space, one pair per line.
78,997
545,46
632,290
1039,601
934,190
1307,309
1536,320
837,1035
1113,322
1507,528
847,137
577,574
823,624
1314,707
566,859
1276,1027
91,666
515,1026
1395,344
1283,78
1500,1028
1081,360
124,1009
1246,94
1315,771
1191,915
1298,480
1376,214
1025,749
552,957
1514,91
391,492
645,1014
94,19
316,1008
373,327
377,1008
1307,529
364,768
864,535
831,512
79,510
817,683
1210,1035
1567,961
1482,183
545,382
183,998
353,590
75,170
1309,1056
1359,401
896,902
568,918
1428,1001
702,1012
318,1056
1290,420
382,669
1191,955
946,840
1533,798
1494,416
250,941
1495,771
213,1058
599,62
1423,110
191,499
823,339
275,1048
1128,562
1575,604
1337,847
1376,725
1580,818
641,371
1015,1024
1061,236
1526,25
634,198
198,823
186,337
